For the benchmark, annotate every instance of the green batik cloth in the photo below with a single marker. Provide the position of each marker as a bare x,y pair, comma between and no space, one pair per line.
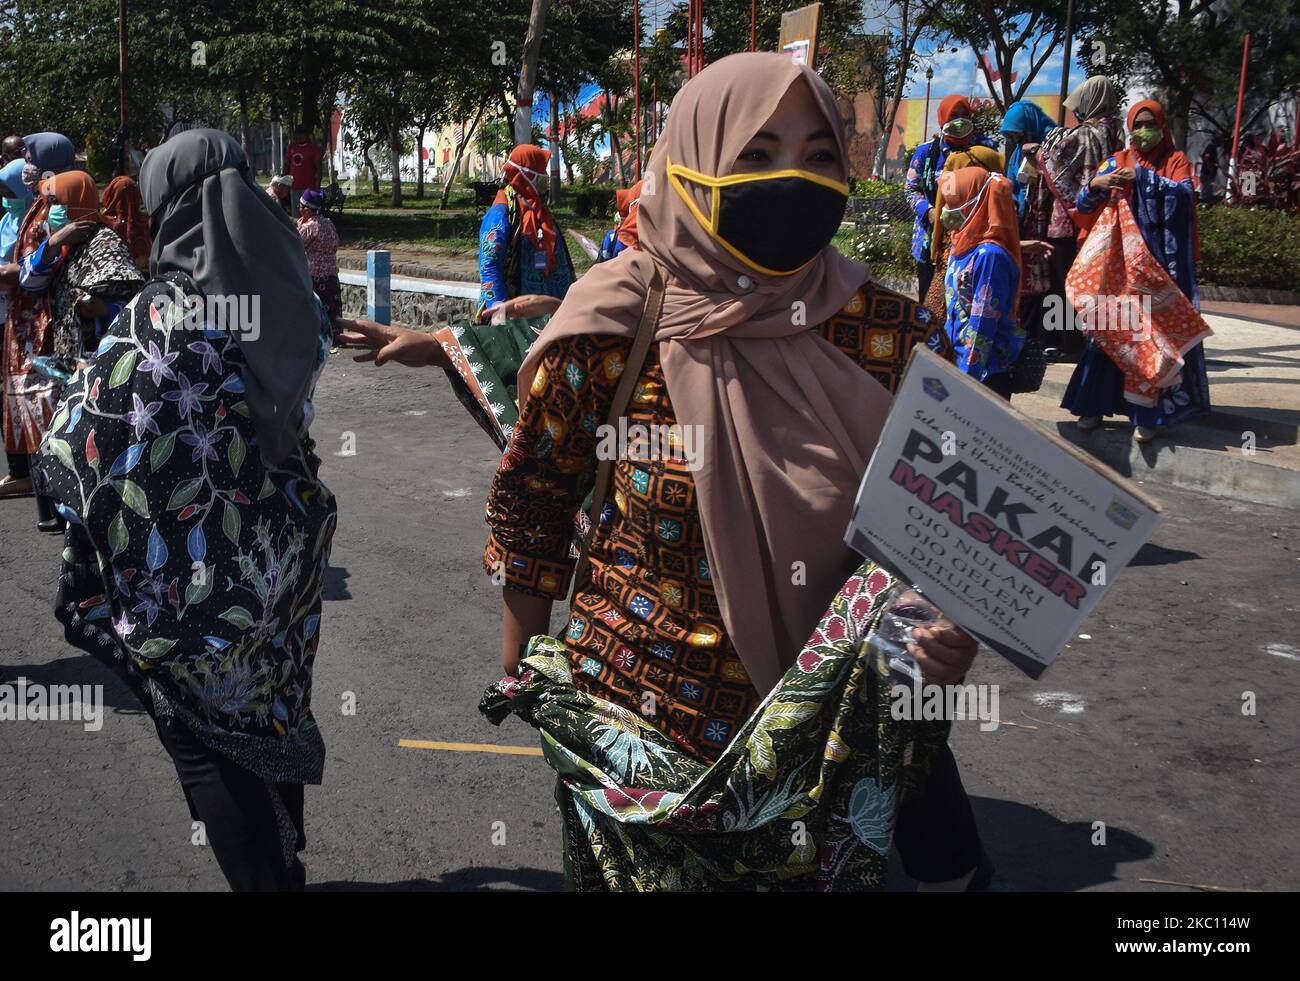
804,797
485,364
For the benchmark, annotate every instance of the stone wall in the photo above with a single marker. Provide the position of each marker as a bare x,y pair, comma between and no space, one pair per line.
422,311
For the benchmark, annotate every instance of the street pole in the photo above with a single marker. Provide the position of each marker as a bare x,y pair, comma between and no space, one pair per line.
1233,178
1065,67
124,153
925,125
636,82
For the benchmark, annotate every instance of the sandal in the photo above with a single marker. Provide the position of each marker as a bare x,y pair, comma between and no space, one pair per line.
11,486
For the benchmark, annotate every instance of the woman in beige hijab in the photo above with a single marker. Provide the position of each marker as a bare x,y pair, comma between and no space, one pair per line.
700,666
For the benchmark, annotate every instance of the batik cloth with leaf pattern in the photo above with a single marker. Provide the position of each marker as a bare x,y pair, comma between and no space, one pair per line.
803,798
190,566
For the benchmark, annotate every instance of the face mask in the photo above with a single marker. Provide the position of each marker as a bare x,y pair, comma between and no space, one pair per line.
14,206
774,222
58,217
1145,137
539,180
952,219
958,128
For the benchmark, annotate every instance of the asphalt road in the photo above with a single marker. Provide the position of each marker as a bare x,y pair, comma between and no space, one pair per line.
1139,727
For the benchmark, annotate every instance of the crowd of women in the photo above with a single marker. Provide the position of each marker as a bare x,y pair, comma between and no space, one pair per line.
1017,220
715,721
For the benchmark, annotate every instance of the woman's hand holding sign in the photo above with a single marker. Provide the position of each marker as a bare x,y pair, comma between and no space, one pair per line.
942,650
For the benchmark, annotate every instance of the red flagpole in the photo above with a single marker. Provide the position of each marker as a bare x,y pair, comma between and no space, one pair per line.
690,38
1233,176
636,82
699,36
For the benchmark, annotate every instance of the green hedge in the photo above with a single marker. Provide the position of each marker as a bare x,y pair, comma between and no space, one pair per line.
1255,247
1249,247
594,201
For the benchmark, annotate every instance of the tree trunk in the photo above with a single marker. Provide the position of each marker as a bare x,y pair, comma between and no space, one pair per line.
615,147
395,156
460,150
244,138
555,148
419,164
528,73
900,80
572,139
370,165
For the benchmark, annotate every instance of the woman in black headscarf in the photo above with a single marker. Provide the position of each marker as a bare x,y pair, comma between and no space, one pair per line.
198,531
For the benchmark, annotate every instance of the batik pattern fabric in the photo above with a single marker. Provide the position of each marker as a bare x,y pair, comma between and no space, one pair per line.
1147,341
29,395
1159,379
1069,160
329,291
983,325
485,360
191,567
320,240
804,796
648,625
100,268
509,265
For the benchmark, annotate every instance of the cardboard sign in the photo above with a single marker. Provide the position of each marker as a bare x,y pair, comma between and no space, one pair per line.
1011,531
799,29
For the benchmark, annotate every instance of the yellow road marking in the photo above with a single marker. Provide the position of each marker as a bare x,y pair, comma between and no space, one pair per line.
471,747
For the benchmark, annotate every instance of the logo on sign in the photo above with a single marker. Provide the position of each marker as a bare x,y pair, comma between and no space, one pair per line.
935,389
1123,516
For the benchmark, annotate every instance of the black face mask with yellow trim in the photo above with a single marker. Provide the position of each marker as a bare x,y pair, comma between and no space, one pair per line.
775,222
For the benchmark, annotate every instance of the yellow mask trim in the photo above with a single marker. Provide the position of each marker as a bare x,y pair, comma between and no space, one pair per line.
715,184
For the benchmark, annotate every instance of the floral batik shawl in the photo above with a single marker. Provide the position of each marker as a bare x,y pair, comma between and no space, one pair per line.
191,566
803,798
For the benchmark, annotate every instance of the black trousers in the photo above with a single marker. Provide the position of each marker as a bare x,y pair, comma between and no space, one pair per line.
239,814
1000,384
19,465
924,274
1069,342
936,835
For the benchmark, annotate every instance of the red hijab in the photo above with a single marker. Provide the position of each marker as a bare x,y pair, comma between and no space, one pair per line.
1164,158
953,106
76,191
535,221
629,203
124,213
990,212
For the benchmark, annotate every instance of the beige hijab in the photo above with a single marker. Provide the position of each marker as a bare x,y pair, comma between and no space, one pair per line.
788,422
1095,97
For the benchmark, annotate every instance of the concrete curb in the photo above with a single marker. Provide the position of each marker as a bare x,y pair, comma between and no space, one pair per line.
1233,422
1214,472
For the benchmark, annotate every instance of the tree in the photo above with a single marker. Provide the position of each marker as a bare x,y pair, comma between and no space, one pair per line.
528,73
1189,52
1000,30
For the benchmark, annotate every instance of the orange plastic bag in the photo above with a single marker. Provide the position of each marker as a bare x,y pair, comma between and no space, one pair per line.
1130,306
